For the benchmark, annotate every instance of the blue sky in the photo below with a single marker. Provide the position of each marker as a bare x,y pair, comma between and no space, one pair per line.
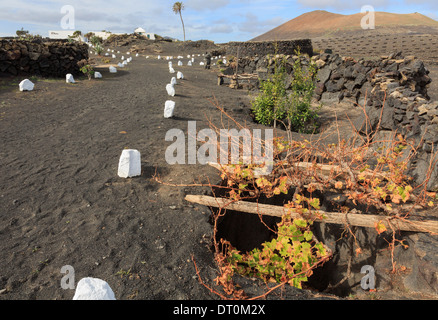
217,20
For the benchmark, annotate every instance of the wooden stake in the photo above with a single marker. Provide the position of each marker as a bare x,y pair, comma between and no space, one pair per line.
354,219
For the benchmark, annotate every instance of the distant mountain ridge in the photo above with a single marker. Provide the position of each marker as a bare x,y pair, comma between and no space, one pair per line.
324,24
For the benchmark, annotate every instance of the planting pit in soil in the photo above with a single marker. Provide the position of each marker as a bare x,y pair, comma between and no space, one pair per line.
247,231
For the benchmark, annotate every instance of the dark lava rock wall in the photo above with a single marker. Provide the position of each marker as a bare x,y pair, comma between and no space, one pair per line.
262,48
49,58
393,91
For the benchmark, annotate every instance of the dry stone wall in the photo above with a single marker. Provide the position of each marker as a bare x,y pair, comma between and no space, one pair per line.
262,48
392,89
49,58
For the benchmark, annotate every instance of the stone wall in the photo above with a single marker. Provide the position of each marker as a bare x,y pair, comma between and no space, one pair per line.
262,48
393,90
48,58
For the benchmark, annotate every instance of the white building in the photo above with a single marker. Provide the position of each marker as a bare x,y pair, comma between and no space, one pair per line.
104,35
63,34
142,32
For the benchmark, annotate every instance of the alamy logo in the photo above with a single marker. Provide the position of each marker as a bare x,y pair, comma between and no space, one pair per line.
68,21
68,281
234,146
369,280
368,21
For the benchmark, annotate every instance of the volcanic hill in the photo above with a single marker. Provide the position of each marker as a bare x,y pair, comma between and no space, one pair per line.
324,24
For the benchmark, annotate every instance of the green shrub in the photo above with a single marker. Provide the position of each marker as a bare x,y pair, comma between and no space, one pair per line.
290,107
95,40
288,258
98,49
300,115
86,68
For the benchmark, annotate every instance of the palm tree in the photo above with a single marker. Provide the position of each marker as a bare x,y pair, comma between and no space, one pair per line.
177,8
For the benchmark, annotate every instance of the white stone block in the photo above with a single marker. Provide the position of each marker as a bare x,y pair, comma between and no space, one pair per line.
114,56
97,75
136,55
173,81
201,63
169,108
112,69
189,63
170,90
129,163
120,65
69,78
93,289
179,75
171,70
180,63
159,57
26,85
123,58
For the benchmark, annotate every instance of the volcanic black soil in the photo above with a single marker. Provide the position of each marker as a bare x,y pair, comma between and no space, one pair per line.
62,202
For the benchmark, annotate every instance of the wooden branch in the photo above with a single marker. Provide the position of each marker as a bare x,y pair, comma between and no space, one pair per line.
327,169
242,76
354,219
324,169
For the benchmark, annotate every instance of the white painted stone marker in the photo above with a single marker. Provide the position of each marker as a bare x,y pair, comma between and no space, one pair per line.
170,90
93,289
173,81
169,108
26,85
112,69
69,78
129,163
179,75
171,70
97,75
180,63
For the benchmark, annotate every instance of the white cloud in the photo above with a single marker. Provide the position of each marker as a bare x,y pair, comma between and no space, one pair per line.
201,5
255,26
342,5
221,28
423,4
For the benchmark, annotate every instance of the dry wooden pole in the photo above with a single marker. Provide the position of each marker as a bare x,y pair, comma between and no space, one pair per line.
360,220
324,169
